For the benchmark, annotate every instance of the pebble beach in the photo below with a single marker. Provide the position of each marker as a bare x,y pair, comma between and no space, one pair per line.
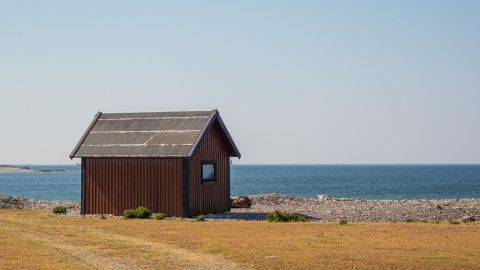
327,208
318,208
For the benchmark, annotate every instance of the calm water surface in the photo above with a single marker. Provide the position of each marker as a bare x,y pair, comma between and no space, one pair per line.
351,181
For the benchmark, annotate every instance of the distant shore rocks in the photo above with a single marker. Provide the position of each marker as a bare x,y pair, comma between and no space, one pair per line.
17,169
14,169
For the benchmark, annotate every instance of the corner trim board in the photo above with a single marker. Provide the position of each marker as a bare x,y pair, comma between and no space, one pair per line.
229,203
82,191
185,187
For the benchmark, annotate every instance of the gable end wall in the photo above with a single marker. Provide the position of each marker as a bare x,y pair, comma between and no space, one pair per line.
214,197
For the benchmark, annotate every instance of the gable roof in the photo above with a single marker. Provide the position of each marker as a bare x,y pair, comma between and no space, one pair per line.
148,134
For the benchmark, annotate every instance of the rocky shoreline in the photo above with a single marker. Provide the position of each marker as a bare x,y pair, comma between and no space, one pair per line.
326,208
319,208
14,202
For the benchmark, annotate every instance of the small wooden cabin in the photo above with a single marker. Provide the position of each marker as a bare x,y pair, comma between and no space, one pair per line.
176,163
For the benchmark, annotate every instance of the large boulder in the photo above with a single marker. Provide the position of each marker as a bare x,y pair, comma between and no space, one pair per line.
240,202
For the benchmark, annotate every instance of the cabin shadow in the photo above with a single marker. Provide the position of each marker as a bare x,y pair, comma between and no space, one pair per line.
246,216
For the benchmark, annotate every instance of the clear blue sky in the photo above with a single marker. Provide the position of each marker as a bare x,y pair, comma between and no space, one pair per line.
295,81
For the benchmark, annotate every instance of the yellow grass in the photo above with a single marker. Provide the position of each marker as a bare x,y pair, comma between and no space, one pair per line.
39,240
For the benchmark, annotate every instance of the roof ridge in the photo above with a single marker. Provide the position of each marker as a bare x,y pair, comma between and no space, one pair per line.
184,111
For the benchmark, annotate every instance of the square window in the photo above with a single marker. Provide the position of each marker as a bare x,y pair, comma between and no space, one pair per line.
208,171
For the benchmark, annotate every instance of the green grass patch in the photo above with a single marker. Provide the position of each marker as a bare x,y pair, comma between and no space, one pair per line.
59,210
161,216
200,218
279,216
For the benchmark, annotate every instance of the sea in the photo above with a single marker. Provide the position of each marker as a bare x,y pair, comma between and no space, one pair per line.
343,181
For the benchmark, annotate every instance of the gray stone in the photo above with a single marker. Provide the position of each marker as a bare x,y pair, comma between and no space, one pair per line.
323,197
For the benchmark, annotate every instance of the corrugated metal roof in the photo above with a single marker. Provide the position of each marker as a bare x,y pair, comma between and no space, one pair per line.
149,134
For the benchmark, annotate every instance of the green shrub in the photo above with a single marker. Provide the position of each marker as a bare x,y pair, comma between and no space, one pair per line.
103,217
279,216
60,210
200,218
454,222
409,220
142,212
129,213
161,216
468,219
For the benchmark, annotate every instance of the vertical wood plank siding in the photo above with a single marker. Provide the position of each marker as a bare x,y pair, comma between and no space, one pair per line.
210,197
115,184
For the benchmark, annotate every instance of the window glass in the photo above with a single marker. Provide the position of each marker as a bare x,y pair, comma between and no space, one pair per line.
208,172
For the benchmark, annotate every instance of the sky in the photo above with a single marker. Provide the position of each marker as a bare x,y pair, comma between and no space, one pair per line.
314,82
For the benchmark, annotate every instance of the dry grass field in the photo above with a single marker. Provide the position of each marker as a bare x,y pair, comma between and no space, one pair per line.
34,239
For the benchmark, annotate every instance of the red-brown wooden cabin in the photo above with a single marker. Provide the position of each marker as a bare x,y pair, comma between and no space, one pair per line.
176,163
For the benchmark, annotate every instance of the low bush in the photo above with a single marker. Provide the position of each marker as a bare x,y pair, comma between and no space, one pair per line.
468,219
60,210
200,218
454,222
161,216
142,212
129,213
342,222
279,216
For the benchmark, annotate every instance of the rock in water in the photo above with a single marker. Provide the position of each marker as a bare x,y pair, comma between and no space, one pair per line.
240,202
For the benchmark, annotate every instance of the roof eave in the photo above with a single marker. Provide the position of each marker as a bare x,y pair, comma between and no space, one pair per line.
236,152
202,133
215,116
90,127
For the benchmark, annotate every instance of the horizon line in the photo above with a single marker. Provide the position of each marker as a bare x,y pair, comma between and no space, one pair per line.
269,164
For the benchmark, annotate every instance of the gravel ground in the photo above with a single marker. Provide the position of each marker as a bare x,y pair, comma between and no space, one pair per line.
319,208
12,202
326,208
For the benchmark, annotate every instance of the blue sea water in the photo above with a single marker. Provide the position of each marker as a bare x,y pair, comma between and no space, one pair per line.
349,181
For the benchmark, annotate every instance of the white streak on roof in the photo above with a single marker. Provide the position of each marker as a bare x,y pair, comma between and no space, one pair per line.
150,138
